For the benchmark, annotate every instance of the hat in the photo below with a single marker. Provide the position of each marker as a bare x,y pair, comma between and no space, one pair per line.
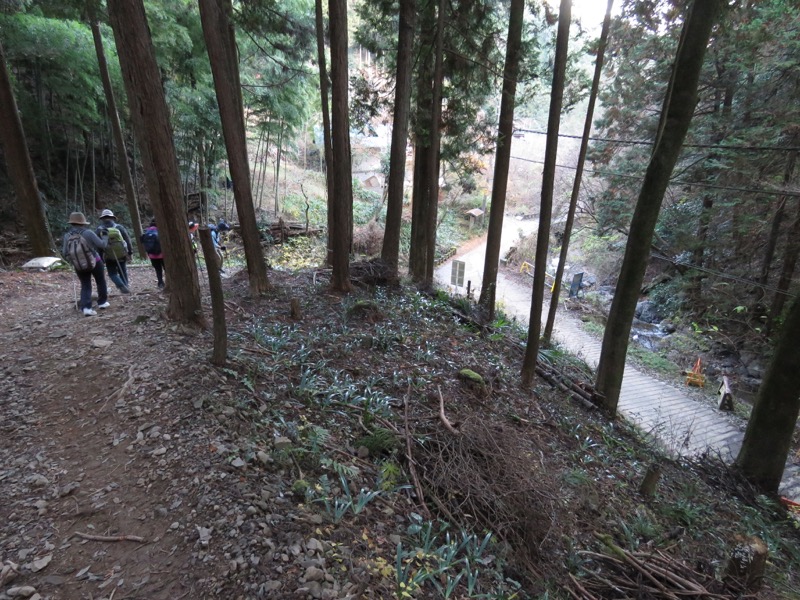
77,218
107,213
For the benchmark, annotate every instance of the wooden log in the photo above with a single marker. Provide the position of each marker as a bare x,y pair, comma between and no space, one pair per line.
747,563
650,481
295,311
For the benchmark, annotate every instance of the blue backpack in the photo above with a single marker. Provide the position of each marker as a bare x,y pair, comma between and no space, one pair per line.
150,241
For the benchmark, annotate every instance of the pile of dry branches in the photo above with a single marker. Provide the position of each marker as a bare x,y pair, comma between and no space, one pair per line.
487,475
619,573
373,272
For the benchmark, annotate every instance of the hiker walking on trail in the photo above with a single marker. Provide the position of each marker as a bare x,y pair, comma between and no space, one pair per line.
219,249
118,251
82,248
152,245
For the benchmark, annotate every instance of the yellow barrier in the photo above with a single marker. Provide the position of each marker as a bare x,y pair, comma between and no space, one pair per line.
527,268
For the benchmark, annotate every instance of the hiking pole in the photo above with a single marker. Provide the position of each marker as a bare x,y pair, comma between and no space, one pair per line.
120,274
75,294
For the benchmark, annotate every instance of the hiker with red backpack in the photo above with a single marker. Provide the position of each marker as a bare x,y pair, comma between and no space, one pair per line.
118,251
82,248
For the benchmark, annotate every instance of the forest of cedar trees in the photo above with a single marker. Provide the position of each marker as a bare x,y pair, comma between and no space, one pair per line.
649,144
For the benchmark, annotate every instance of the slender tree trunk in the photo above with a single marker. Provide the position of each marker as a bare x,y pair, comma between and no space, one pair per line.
768,437
220,352
698,253
256,159
94,174
390,252
790,256
262,179
548,181
420,208
116,129
66,179
340,136
436,139
777,220
203,176
676,116
146,97
220,38
505,134
278,167
20,168
419,204
576,186
327,148
772,241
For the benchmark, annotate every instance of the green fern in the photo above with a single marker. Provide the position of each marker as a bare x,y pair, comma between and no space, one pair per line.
380,441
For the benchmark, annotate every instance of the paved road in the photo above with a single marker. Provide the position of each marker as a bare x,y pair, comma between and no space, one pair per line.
681,424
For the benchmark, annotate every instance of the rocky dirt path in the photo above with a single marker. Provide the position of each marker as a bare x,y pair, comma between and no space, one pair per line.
121,472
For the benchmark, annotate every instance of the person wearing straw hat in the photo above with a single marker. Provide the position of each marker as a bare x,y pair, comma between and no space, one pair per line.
94,245
118,251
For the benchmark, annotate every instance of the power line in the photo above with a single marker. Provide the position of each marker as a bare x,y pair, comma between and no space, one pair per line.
674,181
646,143
722,275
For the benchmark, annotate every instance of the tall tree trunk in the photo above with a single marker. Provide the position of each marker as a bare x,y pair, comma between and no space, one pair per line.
772,241
576,186
768,437
203,176
548,181
340,135
116,130
676,115
698,253
390,252
790,256
775,229
419,205
505,133
326,126
220,38
256,162
420,196
220,327
146,97
278,167
20,168
436,139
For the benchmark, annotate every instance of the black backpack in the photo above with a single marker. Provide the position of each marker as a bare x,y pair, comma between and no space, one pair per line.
152,244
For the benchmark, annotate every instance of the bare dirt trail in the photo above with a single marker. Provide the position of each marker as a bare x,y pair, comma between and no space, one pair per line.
96,447
132,468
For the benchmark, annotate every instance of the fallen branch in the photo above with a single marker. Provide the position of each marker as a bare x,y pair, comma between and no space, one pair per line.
448,425
109,538
412,469
118,393
585,594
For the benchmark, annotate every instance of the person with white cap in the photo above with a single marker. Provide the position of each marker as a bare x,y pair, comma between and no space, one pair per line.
82,248
119,249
